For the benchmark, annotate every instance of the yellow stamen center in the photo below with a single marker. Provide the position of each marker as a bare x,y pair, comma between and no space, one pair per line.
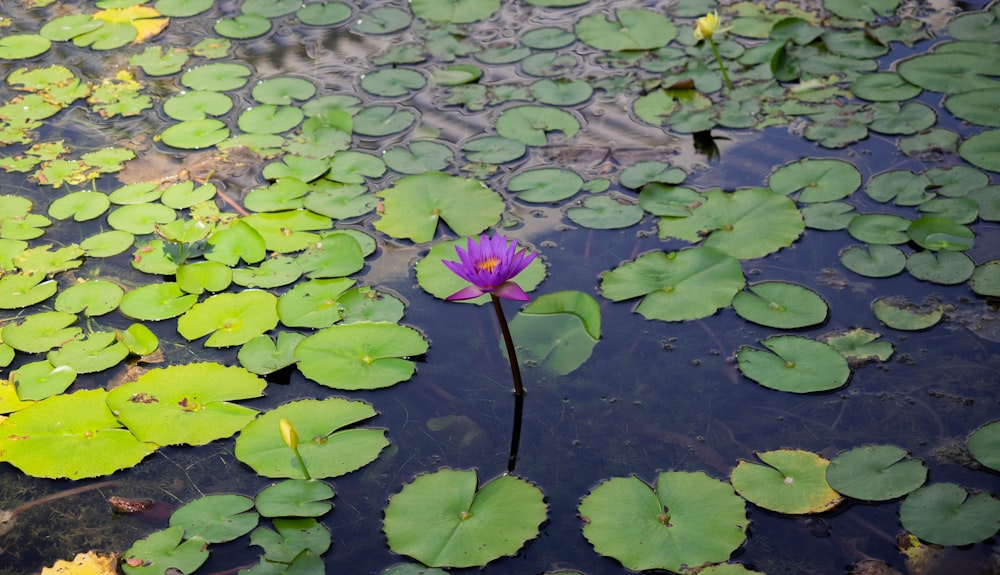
489,264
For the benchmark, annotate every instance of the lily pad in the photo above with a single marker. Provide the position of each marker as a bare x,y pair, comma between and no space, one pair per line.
40,332
295,547
795,364
262,355
414,204
879,228
217,76
984,444
875,473
877,261
323,13
23,46
690,519
163,550
858,345
545,185
442,520
361,355
946,268
156,301
532,124
986,279
314,303
230,318
781,305
419,157
631,30
945,514
816,180
24,290
40,379
606,212
688,284
294,498
327,449
792,481
81,206
902,315
493,149
195,134
73,436
557,331
216,518
100,350
93,298
242,26
937,233
174,405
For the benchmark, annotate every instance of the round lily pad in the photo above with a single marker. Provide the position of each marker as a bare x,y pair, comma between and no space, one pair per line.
294,498
558,331
884,87
377,121
641,173
795,364
23,46
218,76
323,13
230,318
986,279
173,405
945,514
262,355
361,355
690,519
40,332
792,481
166,549
107,244
393,82
100,350
419,157
903,187
532,124
327,449
414,204
493,149
877,261
946,268
216,518
984,444
23,290
197,105
630,30
156,301
677,286
938,233
40,379
974,106
93,297
781,305
195,134
269,119
442,520
875,473
72,435
242,26
899,314
81,206
816,180
605,212
313,303
454,11
545,185
879,228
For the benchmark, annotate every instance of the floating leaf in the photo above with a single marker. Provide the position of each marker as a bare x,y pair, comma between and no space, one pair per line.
858,345
294,498
218,76
195,134
40,332
794,364
73,436
545,185
947,268
605,213
314,303
945,514
296,546
875,473
262,355
532,124
242,26
216,518
414,204
984,444
877,261
156,301
23,46
816,180
174,405
231,318
361,355
40,379
93,298
793,481
632,30
986,279
100,350
690,519
688,284
557,331
442,520
323,13
879,228
900,314
163,550
326,448
23,290
781,305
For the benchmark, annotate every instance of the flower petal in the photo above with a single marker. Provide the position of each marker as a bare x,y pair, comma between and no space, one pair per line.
469,292
512,291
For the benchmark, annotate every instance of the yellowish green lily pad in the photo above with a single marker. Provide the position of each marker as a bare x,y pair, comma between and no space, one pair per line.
792,481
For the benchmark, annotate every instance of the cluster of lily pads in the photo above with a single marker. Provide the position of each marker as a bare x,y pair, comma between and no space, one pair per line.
214,274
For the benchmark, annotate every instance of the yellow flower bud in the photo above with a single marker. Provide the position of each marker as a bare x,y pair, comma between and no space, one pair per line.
288,434
705,26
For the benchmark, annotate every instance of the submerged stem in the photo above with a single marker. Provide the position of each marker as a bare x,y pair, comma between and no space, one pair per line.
515,371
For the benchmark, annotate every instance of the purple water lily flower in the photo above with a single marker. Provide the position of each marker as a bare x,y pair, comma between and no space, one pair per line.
489,264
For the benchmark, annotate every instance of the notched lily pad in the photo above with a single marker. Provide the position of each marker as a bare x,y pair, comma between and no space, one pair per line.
795,364
792,481
361,355
875,473
946,514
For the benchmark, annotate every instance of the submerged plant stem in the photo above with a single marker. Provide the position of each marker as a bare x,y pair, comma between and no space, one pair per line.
515,371
718,58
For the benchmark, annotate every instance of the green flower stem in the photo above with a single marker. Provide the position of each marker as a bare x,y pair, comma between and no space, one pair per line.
515,371
302,464
722,66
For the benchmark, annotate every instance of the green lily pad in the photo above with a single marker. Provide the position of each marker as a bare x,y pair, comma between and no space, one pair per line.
884,87
140,219
323,13
199,276
816,180
314,303
195,134
172,406
239,241
690,519
108,37
419,157
81,206
100,350
632,30
688,284
984,445
908,118
107,244
269,119
262,355
930,143
877,261
156,61
217,76
557,331
414,204
875,473
639,174
273,272
295,547
384,20
42,261
40,332
197,105
327,449
605,212
288,231
73,436
163,550
242,26
858,345
23,46
393,82
454,11
670,201
40,379
545,185
216,518
879,228
231,318
792,481
493,149
377,121
340,201
139,339
294,498
986,279
64,28
945,514
937,233
946,268
93,298
456,75
943,72
441,282
361,355
561,91
899,314
23,290
156,301
781,305
366,304
975,106
442,520
745,224
795,364
532,124
353,167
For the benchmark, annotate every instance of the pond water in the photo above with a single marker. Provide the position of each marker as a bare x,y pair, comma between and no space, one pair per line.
653,395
